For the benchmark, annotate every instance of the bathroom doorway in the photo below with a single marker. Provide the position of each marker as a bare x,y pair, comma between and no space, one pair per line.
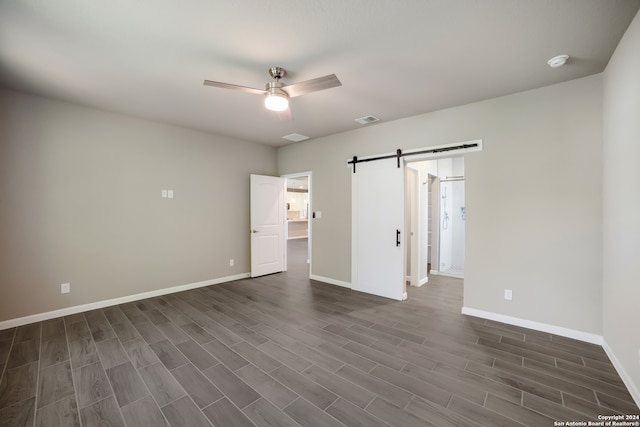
298,229
442,215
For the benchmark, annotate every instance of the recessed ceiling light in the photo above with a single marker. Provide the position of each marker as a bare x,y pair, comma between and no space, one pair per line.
295,137
558,61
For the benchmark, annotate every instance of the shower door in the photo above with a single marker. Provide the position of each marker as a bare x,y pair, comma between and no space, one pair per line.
452,227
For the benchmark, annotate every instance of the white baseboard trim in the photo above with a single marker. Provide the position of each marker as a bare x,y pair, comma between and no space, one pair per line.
626,378
330,281
538,326
423,281
6,324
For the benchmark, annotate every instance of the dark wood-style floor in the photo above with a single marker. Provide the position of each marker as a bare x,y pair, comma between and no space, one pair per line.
283,351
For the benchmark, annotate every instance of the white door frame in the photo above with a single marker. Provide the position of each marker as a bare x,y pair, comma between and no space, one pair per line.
308,174
412,224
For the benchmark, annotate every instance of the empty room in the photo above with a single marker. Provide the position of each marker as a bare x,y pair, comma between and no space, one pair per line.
308,213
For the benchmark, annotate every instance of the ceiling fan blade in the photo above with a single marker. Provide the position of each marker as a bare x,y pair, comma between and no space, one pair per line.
235,87
312,85
285,115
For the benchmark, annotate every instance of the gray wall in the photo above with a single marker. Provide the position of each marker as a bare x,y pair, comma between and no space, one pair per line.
621,153
80,202
534,198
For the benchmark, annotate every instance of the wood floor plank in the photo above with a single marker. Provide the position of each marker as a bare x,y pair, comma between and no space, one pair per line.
339,386
149,332
313,392
232,386
83,352
480,414
162,385
111,353
127,385
168,354
375,355
308,415
478,381
264,414
351,415
285,356
316,357
224,413
63,413
53,330
256,356
55,383
102,413
518,382
91,384
375,385
78,331
183,412
226,355
53,352
24,352
394,415
125,331
268,387
517,412
445,382
347,357
436,415
197,386
19,414
143,413
552,410
140,353
428,391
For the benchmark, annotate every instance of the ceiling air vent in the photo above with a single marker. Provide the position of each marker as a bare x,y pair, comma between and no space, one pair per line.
295,137
367,119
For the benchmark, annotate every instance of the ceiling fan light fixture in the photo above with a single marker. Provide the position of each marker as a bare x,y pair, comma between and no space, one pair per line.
276,100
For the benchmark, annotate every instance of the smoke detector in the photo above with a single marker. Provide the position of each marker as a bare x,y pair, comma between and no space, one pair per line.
558,61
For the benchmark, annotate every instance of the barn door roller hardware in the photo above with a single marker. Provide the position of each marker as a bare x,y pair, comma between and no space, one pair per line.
355,160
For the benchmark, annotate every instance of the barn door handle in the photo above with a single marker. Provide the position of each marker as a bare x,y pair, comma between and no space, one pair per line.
397,238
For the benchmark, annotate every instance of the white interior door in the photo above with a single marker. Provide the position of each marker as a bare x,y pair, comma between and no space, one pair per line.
268,221
377,203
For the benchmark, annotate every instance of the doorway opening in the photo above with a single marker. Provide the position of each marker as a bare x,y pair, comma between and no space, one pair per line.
298,227
436,215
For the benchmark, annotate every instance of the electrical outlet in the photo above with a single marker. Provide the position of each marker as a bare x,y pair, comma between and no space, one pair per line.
170,194
164,194
65,288
508,294
231,263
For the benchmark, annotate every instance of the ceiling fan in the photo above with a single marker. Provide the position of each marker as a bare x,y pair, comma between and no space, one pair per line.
277,94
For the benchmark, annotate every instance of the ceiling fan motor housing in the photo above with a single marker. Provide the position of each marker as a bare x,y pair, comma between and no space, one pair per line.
277,72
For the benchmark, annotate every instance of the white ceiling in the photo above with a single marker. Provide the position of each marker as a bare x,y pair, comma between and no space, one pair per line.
149,58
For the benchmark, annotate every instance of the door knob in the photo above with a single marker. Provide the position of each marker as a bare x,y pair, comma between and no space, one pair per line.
254,231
